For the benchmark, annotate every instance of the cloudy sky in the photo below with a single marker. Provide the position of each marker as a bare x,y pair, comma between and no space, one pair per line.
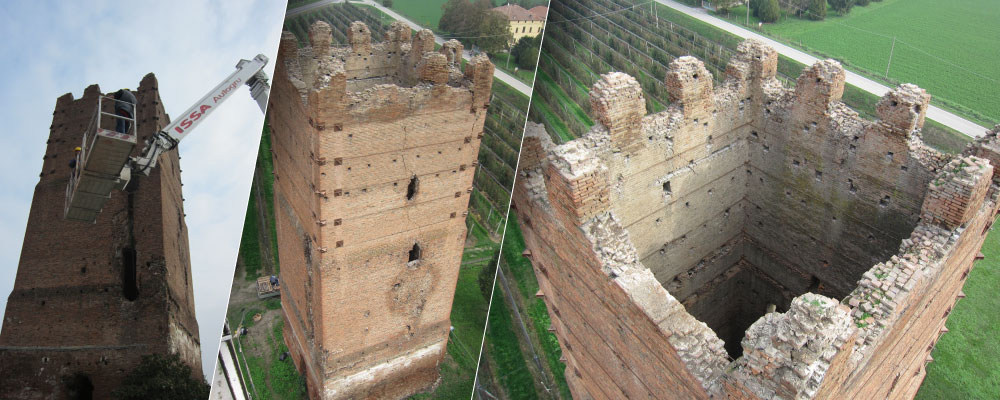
50,48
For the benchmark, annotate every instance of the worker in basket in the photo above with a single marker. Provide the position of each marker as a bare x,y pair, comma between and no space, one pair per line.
125,107
76,157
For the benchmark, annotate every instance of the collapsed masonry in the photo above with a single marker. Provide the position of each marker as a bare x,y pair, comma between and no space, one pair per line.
661,241
375,149
90,299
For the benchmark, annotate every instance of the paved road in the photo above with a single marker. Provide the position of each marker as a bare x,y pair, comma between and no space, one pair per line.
497,73
951,120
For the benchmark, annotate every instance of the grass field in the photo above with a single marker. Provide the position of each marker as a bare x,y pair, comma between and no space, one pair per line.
508,362
966,363
950,48
425,13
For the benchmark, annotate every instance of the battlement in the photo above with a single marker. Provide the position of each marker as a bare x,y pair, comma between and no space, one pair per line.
774,220
403,60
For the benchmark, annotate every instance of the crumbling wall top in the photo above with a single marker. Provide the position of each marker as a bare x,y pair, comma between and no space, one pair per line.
754,60
792,351
689,82
904,108
821,84
403,60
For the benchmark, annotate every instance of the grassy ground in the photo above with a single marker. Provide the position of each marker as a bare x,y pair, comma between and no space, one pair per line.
425,13
949,48
508,363
965,360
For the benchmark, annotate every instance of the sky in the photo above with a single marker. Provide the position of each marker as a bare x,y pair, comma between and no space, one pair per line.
51,48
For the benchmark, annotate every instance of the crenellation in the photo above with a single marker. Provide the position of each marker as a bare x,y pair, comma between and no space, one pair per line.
359,37
320,38
904,108
618,104
690,85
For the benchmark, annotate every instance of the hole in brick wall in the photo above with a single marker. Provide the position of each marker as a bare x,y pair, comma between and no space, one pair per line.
130,284
414,253
851,187
814,284
666,188
411,188
884,202
888,156
695,76
80,387
916,108
894,103
819,174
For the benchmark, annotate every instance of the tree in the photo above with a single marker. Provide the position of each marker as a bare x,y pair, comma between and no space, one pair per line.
754,6
841,6
494,33
462,17
817,10
525,52
769,11
725,5
161,377
488,275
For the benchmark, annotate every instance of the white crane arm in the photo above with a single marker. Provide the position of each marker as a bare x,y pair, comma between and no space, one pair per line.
248,72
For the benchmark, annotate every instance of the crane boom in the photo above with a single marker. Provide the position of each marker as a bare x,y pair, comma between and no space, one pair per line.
249,72
102,163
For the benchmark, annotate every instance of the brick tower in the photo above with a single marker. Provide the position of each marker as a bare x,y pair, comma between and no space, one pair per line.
90,300
375,150
751,241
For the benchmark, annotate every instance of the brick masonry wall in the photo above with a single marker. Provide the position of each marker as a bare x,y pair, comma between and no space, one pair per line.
817,196
67,314
375,152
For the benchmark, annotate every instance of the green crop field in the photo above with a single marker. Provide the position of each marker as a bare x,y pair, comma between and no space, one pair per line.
425,13
950,48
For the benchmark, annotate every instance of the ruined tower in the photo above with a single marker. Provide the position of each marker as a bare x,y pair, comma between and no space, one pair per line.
751,240
90,299
375,148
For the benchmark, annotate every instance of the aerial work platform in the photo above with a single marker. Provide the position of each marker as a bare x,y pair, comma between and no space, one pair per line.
101,164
